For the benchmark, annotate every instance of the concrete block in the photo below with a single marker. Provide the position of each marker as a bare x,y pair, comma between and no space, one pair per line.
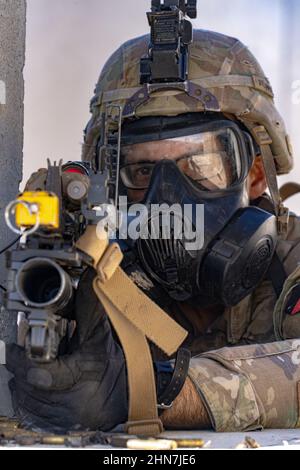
12,59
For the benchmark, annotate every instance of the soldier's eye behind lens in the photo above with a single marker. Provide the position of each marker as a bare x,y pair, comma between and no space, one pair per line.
137,175
141,175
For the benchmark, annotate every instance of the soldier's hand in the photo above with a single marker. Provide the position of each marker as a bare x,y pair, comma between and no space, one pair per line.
85,389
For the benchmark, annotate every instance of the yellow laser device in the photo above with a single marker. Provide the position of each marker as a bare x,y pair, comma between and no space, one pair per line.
38,205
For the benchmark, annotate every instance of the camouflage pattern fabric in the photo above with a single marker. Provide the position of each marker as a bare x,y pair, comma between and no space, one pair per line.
219,65
257,318
250,387
256,385
287,308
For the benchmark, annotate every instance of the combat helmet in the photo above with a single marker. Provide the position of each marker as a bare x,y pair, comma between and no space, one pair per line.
223,76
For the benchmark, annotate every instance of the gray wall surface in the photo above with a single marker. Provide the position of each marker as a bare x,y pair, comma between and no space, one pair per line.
12,58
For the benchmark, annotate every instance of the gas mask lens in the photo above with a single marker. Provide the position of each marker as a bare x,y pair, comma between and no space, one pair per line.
212,160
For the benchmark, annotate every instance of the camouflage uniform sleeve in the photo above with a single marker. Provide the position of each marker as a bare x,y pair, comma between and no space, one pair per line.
250,387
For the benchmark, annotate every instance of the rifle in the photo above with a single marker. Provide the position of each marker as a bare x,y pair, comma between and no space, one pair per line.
44,269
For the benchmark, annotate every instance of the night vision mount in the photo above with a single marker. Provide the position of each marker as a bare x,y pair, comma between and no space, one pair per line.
171,35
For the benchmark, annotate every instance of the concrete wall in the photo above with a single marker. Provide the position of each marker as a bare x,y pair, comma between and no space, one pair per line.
12,58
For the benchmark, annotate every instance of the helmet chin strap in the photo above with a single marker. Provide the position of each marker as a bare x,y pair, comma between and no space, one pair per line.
282,213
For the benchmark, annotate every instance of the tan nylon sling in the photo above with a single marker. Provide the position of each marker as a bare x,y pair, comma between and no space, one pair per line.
135,318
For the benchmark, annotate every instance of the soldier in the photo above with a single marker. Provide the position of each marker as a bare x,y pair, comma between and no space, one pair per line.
218,142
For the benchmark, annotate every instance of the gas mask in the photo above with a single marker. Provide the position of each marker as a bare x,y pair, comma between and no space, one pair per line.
199,238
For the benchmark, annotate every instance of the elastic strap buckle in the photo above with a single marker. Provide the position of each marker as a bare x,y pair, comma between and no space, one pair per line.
262,136
283,219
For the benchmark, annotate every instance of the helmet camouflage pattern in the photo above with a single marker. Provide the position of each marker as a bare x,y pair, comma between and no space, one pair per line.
224,77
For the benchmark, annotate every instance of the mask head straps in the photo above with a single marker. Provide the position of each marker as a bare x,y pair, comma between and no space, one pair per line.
282,213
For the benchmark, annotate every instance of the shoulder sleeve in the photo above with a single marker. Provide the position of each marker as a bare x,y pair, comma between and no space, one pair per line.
250,387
